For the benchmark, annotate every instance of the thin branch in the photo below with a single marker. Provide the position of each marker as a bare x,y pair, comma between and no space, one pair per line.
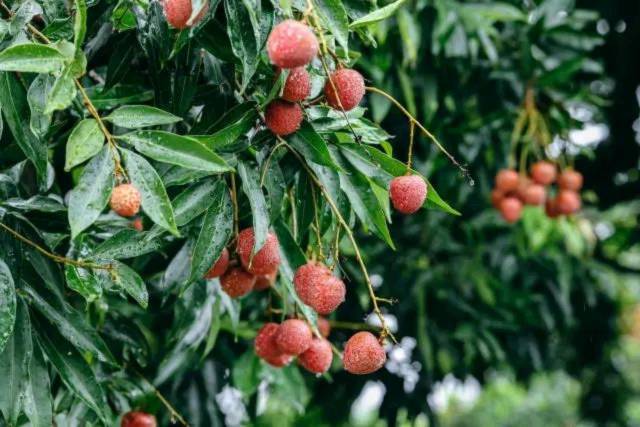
175,415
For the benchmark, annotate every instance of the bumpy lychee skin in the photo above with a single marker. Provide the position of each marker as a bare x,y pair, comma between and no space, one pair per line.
363,354
568,202
282,117
543,172
138,419
408,193
265,343
318,357
511,209
220,266
324,327
293,337
534,195
279,361
297,87
266,260
125,200
236,282
507,180
349,86
570,180
178,12
329,294
265,281
291,44
307,278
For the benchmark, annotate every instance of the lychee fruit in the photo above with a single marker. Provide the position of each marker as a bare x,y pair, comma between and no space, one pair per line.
291,44
496,197
297,87
534,194
349,86
307,278
511,209
363,354
265,281
317,358
266,260
408,193
507,180
570,179
178,13
293,337
125,200
543,172
236,282
265,344
328,295
551,208
282,117
137,224
568,202
279,361
220,266
138,419
324,327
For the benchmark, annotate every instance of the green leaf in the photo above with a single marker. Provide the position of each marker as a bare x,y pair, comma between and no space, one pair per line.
128,243
37,398
139,116
37,203
259,212
71,324
334,15
7,304
193,201
155,200
131,282
83,282
312,146
80,23
31,58
37,96
85,141
16,113
243,28
247,373
62,93
91,195
562,73
215,232
228,135
177,150
376,15
14,366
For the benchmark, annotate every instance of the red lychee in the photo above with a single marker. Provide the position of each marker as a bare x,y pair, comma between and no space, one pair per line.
307,278
317,358
220,266
511,209
496,197
138,419
324,327
349,86
570,179
279,361
178,13
551,208
507,180
543,172
291,44
282,117
408,193
265,344
265,281
266,260
534,194
293,337
568,202
328,295
297,87
137,224
363,354
236,282
125,200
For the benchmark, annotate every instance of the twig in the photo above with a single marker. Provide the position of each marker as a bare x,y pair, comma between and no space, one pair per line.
174,413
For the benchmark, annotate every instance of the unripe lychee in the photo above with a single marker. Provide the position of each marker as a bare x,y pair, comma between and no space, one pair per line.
317,358
307,279
265,281
568,202
282,117
125,200
138,419
507,180
220,266
236,282
408,193
324,327
265,344
297,87
534,194
328,295
279,361
511,209
363,354
570,180
266,260
496,197
293,337
349,86
178,13
291,44
543,172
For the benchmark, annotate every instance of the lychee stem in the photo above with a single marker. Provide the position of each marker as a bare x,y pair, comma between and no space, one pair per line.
317,223
412,129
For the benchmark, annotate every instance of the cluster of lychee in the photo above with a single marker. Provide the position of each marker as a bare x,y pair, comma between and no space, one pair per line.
513,191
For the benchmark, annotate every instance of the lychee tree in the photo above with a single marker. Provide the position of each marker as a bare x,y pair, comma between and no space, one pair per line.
178,177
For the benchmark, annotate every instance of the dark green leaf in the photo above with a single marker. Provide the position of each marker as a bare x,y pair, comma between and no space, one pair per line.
335,19
259,212
83,282
243,27
312,146
80,23
7,304
193,201
31,58
37,399
139,116
85,141
377,15
131,282
128,243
